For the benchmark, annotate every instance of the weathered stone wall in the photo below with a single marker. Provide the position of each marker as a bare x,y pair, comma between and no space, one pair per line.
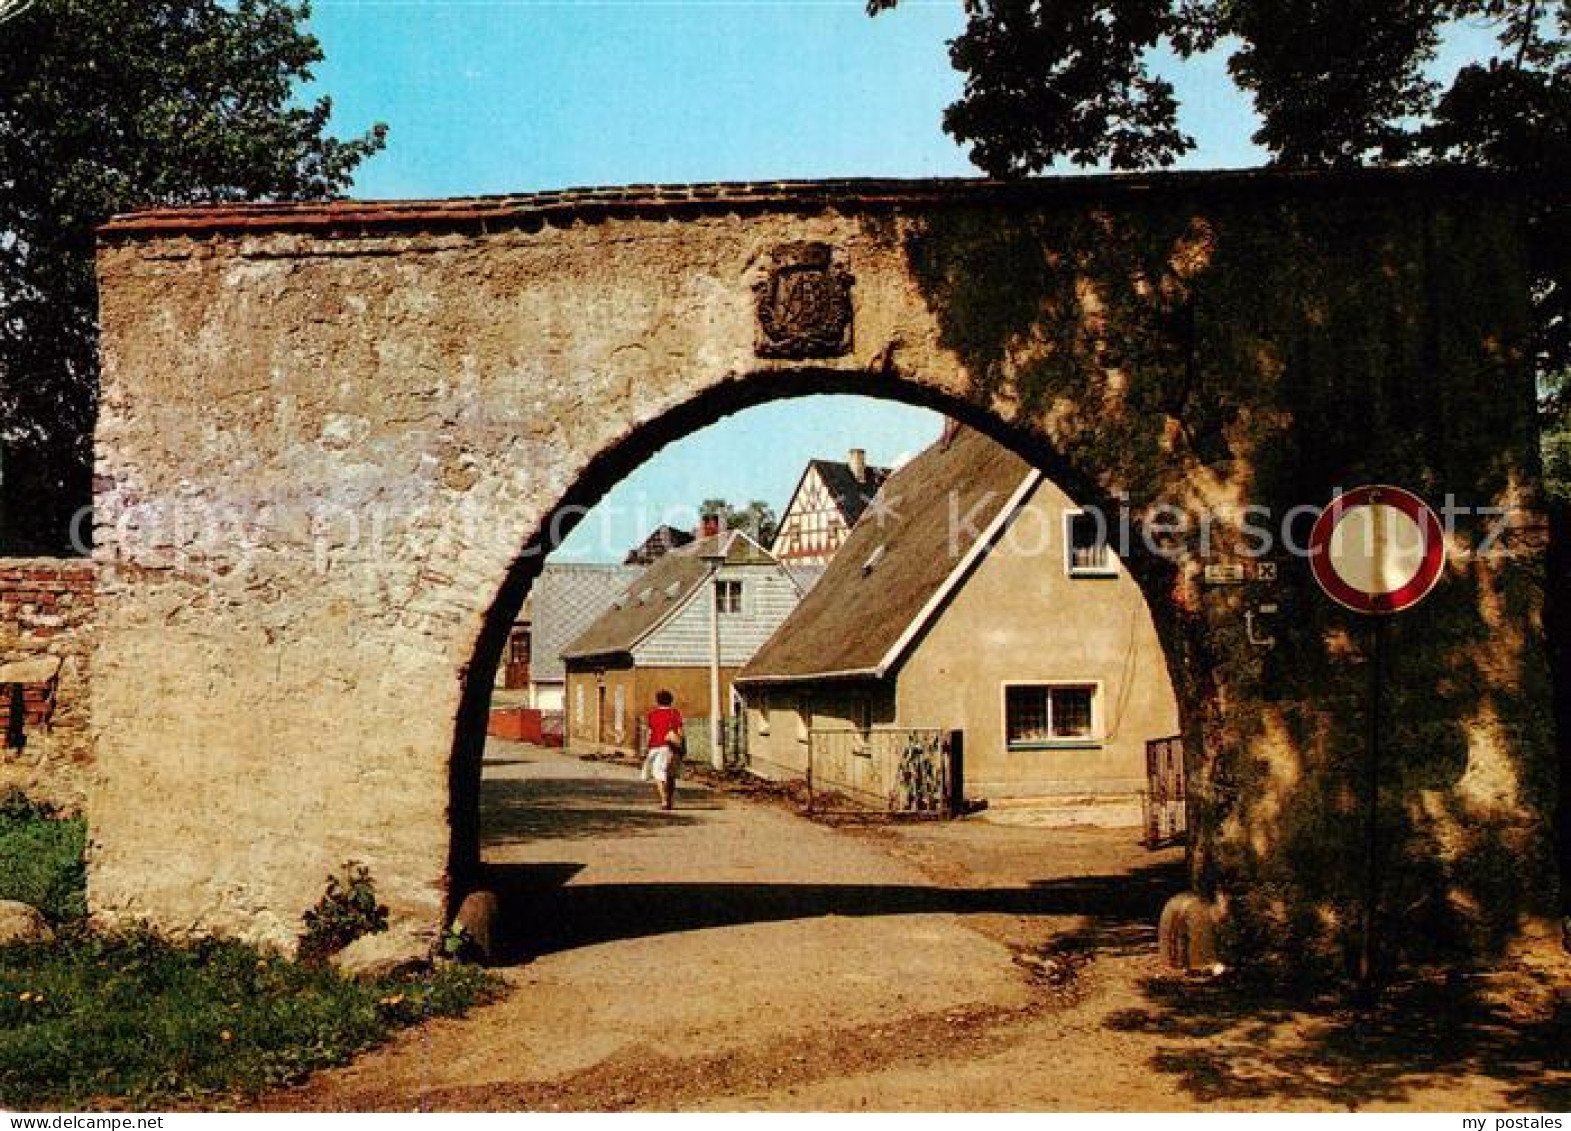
326,436
46,643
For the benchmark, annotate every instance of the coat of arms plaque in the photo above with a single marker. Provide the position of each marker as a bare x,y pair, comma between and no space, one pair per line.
804,304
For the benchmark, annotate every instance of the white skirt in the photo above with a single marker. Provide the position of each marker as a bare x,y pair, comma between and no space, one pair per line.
658,764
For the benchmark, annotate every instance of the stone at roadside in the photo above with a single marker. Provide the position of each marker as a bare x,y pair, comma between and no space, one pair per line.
477,918
384,955
1187,933
20,923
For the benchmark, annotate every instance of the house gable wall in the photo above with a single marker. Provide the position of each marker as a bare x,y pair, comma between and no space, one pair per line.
683,639
1019,617
812,527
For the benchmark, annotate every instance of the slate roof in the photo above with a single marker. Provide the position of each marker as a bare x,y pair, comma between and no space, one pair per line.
850,621
661,540
805,576
567,598
659,591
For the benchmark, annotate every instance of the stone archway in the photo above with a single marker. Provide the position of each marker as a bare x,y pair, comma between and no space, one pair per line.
616,463
327,431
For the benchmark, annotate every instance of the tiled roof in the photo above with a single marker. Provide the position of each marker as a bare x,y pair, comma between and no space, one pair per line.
661,540
483,213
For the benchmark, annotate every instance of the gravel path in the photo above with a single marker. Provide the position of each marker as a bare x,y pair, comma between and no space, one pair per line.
705,932
732,955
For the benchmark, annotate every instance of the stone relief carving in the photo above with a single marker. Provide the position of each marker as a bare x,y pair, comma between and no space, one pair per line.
804,304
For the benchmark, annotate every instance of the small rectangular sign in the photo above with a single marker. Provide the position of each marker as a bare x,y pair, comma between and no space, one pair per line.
1225,573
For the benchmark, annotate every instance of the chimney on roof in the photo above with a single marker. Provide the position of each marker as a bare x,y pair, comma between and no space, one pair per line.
951,430
709,525
858,462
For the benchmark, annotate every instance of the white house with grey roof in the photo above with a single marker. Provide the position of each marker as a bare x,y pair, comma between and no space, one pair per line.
656,635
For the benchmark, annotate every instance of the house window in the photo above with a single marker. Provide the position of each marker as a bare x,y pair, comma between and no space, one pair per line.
728,596
1040,714
1086,552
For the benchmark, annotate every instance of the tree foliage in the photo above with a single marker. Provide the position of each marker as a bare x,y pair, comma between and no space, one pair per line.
757,519
1336,83
106,106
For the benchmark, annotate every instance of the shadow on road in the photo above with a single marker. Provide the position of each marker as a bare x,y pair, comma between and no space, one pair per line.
581,809
1217,1040
542,913
1264,1046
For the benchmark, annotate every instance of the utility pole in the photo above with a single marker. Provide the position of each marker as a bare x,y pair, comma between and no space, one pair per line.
716,749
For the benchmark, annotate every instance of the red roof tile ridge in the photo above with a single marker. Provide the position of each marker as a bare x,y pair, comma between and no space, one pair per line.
850,192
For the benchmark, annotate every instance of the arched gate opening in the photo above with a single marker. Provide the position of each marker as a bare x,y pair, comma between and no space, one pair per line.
328,430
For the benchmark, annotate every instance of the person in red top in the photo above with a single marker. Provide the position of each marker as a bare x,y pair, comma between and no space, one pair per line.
665,748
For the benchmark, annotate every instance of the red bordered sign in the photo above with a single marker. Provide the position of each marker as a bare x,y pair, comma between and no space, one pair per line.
1377,549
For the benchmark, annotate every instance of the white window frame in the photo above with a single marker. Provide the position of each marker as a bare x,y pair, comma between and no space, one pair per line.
1072,570
726,584
1094,741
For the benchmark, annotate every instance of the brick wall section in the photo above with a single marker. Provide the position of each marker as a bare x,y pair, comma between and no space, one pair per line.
46,622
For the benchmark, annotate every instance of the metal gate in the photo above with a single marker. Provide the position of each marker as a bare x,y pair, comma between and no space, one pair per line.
1166,811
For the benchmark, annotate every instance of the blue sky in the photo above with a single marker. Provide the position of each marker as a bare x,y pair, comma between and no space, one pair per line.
513,95
496,96
764,448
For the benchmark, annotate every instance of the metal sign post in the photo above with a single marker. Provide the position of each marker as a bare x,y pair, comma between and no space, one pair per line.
1376,550
1366,939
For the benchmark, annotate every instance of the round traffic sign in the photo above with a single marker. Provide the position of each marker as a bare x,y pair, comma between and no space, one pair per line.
1377,549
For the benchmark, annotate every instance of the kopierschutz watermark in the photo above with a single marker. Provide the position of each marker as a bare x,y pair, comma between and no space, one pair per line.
390,530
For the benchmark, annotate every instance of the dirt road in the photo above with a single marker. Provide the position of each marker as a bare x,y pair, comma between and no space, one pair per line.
732,955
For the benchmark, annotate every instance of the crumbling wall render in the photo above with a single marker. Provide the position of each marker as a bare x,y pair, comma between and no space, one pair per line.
320,453
317,460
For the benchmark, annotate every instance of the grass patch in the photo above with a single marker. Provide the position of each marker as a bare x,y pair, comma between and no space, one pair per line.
132,1020
135,1021
41,858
